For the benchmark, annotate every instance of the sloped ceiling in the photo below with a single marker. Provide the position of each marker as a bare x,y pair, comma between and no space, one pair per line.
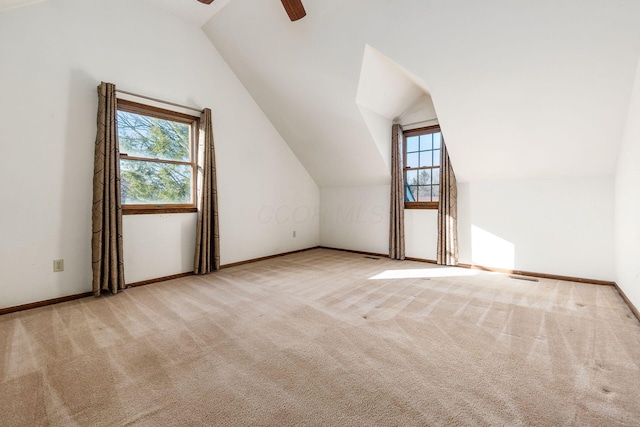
383,87
10,4
522,89
190,10
385,92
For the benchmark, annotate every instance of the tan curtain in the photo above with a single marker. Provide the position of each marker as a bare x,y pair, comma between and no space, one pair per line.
396,227
207,257
447,212
106,241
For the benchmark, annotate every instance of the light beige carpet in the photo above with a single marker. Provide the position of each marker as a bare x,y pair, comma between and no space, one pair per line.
327,338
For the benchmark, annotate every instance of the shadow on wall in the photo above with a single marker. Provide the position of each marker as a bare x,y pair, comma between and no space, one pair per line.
74,239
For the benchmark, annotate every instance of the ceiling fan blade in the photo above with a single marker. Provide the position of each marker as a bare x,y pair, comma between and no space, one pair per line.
294,9
206,1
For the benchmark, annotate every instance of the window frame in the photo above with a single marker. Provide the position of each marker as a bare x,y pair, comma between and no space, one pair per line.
161,113
417,132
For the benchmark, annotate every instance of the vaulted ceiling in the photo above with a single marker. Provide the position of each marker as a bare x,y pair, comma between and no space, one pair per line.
190,10
521,89
10,4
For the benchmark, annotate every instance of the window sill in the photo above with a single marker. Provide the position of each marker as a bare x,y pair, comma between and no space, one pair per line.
421,205
147,210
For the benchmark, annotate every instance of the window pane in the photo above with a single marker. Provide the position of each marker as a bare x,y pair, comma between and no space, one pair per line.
411,194
435,176
412,144
424,178
426,158
436,158
426,142
435,191
424,193
412,178
412,160
154,183
144,136
437,138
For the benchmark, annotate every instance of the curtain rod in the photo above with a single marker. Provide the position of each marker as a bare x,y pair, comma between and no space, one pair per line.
159,100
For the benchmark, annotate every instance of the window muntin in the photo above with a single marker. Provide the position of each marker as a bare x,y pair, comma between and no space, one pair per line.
422,167
157,159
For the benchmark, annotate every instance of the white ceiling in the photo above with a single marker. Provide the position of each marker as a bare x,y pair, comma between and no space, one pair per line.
522,89
388,94
190,10
383,87
10,4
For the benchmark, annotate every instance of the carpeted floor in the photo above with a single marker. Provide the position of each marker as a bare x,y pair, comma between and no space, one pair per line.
327,338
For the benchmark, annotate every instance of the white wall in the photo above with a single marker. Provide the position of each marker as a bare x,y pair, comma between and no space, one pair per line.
627,206
421,114
158,245
557,226
357,218
54,54
421,233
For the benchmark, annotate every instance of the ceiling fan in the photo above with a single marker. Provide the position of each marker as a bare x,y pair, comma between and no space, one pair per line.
294,8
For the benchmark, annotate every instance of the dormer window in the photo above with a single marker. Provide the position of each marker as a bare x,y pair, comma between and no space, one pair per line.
422,167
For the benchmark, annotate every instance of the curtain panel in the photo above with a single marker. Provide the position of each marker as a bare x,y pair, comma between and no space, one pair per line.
396,226
207,254
106,241
447,212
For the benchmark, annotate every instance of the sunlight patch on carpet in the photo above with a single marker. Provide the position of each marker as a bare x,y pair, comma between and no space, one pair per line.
423,273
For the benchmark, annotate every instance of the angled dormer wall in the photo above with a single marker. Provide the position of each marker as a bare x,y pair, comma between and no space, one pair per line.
627,202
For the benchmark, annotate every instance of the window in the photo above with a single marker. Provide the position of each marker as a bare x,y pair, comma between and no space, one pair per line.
157,159
422,167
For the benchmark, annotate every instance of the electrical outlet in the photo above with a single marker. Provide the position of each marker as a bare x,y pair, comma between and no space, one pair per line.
58,265
294,233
